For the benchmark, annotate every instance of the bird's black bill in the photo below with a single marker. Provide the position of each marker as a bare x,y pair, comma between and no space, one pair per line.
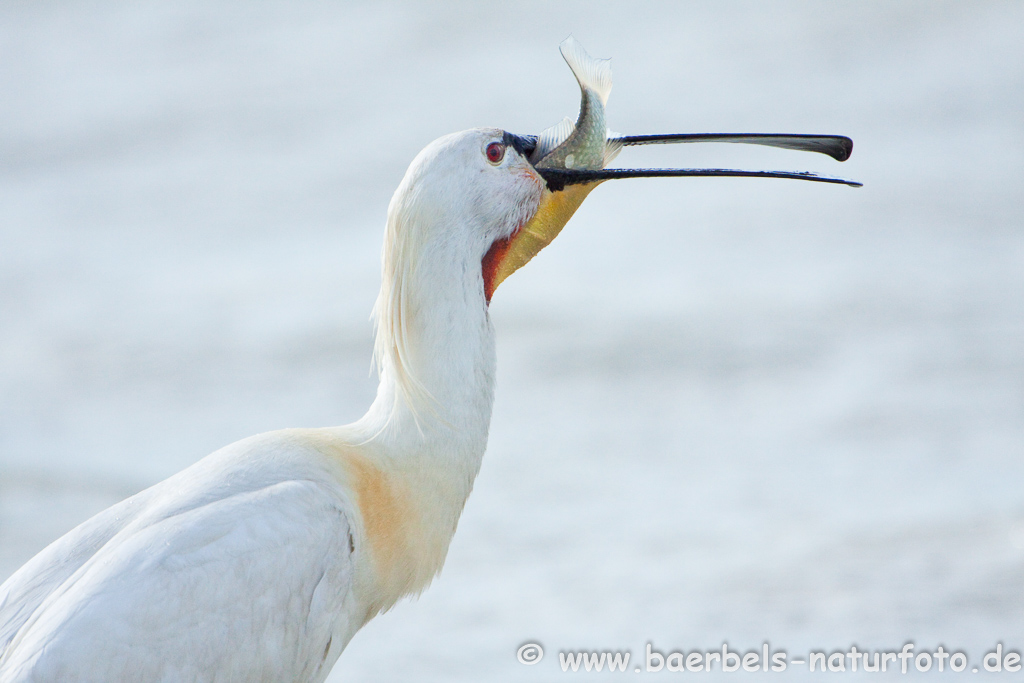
524,144
836,146
558,179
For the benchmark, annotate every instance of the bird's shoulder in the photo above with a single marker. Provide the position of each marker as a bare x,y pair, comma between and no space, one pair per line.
264,519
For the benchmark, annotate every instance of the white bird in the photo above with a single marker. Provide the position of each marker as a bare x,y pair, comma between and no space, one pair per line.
261,561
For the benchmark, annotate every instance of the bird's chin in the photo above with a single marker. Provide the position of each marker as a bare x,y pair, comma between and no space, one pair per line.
509,254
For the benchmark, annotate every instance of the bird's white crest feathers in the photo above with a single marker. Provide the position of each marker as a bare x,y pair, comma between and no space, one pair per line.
391,348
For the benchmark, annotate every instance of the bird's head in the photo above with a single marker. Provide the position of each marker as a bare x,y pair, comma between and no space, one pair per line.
476,206
463,194
466,192
504,197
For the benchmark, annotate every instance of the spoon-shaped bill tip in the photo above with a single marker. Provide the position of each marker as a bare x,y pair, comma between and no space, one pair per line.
839,147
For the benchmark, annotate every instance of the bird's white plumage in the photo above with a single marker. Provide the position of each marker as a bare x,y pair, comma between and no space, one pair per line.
251,546
261,561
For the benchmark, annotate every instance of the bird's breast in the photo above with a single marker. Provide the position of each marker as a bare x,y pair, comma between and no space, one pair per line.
400,546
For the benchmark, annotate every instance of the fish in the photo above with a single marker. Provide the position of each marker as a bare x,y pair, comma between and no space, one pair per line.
587,144
572,158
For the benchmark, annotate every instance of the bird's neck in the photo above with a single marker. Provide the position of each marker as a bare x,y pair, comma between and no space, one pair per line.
419,448
436,357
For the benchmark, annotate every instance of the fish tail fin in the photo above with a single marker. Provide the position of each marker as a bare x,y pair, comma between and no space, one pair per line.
591,73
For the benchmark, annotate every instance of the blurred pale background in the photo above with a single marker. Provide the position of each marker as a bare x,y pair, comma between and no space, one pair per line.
727,409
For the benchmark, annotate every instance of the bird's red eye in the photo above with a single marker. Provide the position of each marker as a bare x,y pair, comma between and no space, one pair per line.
495,152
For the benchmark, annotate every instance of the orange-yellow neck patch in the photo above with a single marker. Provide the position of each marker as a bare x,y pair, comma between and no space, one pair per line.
509,255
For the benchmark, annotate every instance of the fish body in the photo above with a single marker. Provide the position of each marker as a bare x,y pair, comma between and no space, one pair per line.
585,145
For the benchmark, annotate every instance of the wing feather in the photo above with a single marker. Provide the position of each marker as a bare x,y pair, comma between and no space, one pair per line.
23,592
253,586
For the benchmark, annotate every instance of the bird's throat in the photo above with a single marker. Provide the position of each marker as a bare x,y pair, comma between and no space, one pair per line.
508,255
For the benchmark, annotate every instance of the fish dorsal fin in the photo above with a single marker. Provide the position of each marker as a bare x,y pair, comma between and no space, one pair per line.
552,137
591,73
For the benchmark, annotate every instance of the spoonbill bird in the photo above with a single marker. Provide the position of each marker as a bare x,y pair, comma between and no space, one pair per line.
262,560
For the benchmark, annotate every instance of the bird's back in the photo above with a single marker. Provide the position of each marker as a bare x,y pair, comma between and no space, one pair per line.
239,568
